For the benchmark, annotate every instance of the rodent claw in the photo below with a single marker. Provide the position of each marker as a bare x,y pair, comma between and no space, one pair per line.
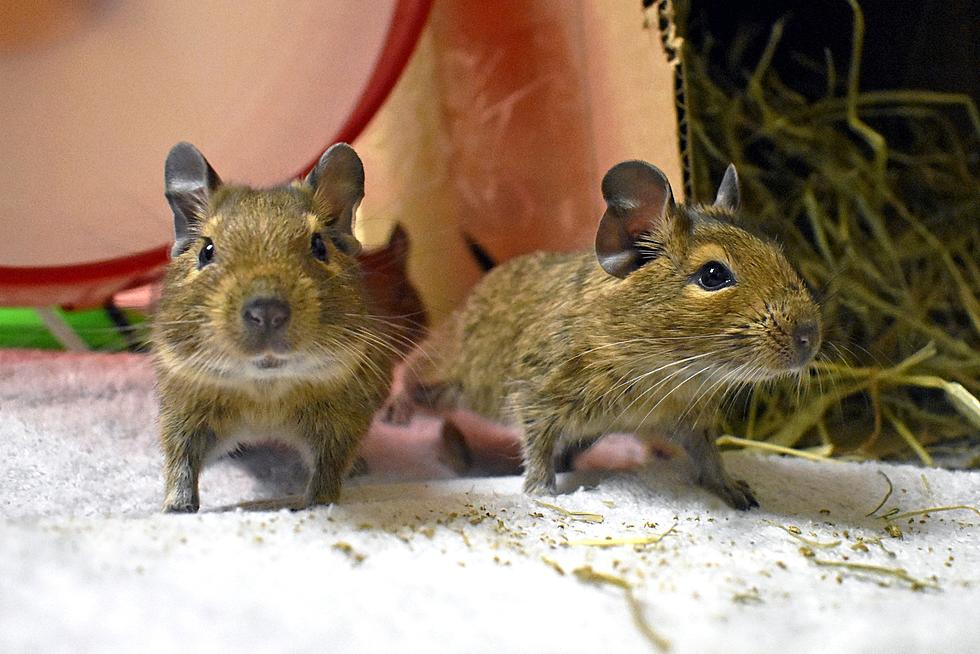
180,508
739,496
398,411
540,488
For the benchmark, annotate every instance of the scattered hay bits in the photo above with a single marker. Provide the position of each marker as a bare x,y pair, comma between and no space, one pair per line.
796,533
346,548
888,493
932,509
899,573
638,542
751,596
639,618
588,575
583,516
554,565
893,530
877,541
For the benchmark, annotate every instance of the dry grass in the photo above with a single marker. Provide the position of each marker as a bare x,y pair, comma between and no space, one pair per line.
887,235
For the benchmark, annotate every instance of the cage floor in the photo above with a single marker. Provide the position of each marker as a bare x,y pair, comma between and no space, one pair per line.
87,564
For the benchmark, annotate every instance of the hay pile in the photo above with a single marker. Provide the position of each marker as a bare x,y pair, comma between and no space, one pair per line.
876,197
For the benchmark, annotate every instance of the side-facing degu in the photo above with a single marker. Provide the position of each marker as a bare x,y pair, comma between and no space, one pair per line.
675,306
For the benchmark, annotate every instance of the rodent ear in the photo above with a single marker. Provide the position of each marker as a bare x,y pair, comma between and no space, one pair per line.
638,201
398,243
189,181
729,196
337,181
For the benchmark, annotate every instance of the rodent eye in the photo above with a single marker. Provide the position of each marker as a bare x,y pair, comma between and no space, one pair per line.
317,247
206,255
714,276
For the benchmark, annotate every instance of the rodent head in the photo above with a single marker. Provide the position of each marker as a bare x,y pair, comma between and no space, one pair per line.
695,285
263,283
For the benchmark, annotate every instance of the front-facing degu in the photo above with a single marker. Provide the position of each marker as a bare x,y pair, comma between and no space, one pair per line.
263,328
676,305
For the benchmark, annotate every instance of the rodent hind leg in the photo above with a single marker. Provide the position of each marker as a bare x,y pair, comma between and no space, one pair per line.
420,382
710,472
184,455
432,397
398,410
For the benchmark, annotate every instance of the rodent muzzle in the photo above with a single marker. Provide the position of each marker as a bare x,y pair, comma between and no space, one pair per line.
265,320
806,341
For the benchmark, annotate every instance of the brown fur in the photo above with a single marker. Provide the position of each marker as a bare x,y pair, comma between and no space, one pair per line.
554,344
214,393
391,291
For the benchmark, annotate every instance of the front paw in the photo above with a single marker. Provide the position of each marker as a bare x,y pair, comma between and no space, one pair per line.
181,507
320,498
540,485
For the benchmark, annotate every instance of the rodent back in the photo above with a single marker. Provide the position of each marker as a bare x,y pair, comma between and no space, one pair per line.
520,320
666,282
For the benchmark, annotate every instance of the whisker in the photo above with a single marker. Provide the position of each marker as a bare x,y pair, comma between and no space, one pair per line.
653,388
649,340
670,392
644,375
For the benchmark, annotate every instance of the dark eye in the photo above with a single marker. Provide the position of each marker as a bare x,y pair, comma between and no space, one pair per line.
714,276
206,255
318,248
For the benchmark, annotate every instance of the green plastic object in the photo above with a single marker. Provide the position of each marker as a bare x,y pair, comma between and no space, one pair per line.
22,328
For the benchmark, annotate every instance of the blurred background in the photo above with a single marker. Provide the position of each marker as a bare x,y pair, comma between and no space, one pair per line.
485,129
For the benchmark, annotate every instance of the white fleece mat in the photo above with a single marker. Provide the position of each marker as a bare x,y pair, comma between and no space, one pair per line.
87,564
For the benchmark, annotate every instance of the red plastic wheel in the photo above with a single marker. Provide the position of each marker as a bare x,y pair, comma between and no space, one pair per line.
90,116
